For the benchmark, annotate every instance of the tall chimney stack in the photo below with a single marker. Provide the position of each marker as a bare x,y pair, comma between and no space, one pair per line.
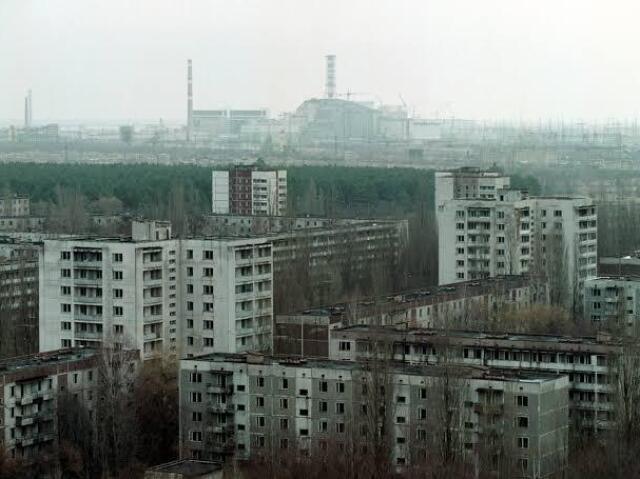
27,110
330,84
189,100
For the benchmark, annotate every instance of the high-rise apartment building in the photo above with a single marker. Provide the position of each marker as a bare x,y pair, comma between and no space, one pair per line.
249,191
156,294
504,231
248,406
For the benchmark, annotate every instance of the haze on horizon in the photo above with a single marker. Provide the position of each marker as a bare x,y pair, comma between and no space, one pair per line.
495,59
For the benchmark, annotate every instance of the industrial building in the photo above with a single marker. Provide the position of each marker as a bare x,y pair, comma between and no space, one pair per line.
249,191
156,294
242,406
486,229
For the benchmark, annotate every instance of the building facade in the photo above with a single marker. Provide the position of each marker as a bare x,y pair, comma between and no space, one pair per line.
613,303
156,294
18,305
16,206
588,362
245,407
31,388
504,231
470,304
249,191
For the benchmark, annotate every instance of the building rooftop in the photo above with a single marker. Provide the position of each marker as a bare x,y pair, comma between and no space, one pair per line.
420,297
58,357
187,468
398,367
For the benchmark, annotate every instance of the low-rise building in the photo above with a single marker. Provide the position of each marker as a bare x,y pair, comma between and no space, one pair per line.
588,362
613,303
17,206
245,407
468,304
30,390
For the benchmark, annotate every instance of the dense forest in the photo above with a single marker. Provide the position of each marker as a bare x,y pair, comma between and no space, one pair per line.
314,190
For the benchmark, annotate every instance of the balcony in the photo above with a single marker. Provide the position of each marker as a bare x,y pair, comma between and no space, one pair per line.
149,300
41,416
88,281
152,337
91,335
92,318
488,409
221,408
220,389
87,265
88,299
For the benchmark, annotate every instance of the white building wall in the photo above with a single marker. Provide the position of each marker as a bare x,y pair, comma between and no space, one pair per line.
220,192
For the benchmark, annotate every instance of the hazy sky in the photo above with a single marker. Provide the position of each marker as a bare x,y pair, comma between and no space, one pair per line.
484,59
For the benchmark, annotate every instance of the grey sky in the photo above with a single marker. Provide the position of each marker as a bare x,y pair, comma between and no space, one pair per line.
487,59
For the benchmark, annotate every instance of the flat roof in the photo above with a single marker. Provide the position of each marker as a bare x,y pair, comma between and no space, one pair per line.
60,356
419,297
399,367
187,467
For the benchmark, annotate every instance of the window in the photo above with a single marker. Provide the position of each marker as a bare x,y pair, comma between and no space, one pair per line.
65,290
207,324
196,377
189,305
284,383
65,308
65,255
340,427
523,443
207,307
196,416
344,346
196,397
196,436
117,293
422,414
189,289
260,401
207,272
303,392
189,271
339,387
284,424
208,342
117,275
117,310
65,325
260,382
523,464
189,323
522,401
324,386
323,406
207,289
117,257
260,421
339,408
284,403
207,254
65,273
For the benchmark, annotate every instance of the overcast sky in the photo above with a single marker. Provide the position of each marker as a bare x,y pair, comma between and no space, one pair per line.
482,59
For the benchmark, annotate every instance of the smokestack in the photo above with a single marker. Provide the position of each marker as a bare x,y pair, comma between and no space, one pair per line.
27,110
189,100
330,85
